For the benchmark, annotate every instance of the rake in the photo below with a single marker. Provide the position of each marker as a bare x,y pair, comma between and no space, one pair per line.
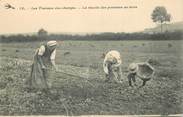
59,71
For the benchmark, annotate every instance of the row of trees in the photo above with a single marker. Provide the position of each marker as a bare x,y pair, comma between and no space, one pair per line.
178,35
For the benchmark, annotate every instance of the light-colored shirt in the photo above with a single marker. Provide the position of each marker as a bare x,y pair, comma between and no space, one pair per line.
42,49
112,57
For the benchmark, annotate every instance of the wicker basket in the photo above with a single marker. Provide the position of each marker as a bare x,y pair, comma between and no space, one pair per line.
145,71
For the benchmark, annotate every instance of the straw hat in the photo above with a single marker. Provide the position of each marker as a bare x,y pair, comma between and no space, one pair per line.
51,43
133,68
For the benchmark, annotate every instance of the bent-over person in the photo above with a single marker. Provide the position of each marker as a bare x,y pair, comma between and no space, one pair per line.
44,60
134,70
111,64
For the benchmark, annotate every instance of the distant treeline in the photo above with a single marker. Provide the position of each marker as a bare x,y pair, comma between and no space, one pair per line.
178,35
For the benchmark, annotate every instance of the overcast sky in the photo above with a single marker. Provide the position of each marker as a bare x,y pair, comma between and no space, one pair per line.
83,20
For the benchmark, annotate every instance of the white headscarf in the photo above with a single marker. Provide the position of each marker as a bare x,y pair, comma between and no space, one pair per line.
51,43
112,56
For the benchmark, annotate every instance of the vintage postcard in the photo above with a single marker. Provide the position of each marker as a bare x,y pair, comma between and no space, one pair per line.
91,58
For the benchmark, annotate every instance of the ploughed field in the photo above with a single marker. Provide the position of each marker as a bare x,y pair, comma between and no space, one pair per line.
84,92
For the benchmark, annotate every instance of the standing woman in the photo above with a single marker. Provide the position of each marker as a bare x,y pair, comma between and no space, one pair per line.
112,63
44,59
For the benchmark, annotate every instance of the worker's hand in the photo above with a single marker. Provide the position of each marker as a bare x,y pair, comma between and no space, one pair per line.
114,68
43,67
120,81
